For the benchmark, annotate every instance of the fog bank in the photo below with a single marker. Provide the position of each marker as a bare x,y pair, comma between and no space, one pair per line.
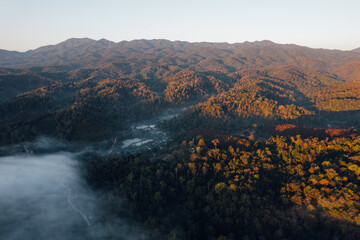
44,197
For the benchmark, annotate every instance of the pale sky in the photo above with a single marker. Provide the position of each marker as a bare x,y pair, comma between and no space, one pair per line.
332,24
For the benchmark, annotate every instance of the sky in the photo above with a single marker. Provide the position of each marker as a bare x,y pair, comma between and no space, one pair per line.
331,24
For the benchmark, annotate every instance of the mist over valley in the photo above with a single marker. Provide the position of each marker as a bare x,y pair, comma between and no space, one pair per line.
44,196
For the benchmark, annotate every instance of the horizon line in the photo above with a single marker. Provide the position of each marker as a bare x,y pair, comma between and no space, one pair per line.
185,41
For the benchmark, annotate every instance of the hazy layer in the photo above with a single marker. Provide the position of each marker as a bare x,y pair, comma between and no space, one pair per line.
44,197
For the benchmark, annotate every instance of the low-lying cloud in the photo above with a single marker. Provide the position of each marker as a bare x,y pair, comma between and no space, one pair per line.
44,197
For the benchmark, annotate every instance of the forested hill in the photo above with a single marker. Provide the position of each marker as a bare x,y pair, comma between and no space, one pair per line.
82,87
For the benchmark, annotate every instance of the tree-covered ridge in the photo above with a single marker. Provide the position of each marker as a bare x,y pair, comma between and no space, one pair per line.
249,104
282,93
340,97
74,94
234,188
186,86
74,110
350,71
306,132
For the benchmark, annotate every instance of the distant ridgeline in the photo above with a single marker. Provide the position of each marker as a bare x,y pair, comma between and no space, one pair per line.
83,89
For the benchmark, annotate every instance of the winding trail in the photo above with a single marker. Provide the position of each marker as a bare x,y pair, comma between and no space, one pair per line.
69,198
76,209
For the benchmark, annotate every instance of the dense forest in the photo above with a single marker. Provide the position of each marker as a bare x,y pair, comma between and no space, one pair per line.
267,147
236,188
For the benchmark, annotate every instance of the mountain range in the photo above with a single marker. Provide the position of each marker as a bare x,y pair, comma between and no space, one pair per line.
86,52
90,85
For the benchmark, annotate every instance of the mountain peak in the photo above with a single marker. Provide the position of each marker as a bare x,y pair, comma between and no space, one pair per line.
69,43
264,43
104,41
74,42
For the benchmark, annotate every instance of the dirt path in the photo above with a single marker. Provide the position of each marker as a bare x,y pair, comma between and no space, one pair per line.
76,209
69,201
